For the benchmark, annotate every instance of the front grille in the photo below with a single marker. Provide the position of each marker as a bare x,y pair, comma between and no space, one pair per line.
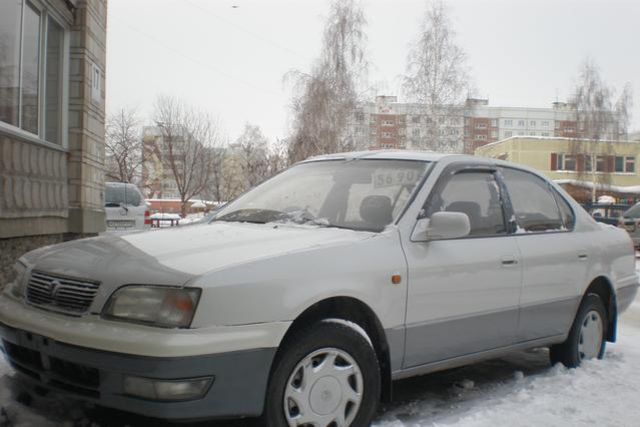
73,296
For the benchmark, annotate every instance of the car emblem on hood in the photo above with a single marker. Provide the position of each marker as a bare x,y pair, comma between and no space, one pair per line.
54,287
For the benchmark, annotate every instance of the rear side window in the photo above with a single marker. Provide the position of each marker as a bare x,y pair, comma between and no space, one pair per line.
534,204
476,194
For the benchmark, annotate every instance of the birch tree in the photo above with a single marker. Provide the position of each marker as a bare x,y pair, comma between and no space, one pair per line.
437,77
600,122
324,98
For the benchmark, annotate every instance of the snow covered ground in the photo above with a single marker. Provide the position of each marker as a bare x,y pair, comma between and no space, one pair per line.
519,390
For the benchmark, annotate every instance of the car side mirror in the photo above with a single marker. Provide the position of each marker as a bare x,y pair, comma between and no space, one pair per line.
442,225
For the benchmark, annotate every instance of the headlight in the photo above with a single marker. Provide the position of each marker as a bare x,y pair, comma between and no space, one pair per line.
17,285
155,305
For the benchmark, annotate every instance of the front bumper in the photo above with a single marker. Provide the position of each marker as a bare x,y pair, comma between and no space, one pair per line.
238,388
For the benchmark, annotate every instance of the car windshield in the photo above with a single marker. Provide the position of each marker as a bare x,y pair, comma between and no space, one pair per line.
361,194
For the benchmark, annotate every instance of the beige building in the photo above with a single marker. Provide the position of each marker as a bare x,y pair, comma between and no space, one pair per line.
52,68
578,164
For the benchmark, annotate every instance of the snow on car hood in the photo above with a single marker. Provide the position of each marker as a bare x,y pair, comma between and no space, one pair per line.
201,248
174,256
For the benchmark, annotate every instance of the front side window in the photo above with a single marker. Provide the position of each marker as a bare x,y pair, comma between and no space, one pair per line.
362,194
30,93
533,203
475,194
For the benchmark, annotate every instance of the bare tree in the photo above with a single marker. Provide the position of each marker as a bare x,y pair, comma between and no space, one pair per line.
123,146
186,146
324,99
437,77
251,149
600,122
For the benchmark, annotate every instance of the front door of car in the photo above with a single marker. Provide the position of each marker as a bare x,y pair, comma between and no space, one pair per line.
463,293
555,257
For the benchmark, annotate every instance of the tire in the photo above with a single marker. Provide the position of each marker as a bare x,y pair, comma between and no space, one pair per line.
337,361
586,338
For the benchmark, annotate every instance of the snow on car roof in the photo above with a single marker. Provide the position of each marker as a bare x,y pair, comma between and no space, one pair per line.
429,156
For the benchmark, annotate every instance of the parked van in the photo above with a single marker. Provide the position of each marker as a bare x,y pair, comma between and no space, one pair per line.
125,207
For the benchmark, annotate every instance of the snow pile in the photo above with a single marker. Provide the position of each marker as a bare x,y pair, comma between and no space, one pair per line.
603,392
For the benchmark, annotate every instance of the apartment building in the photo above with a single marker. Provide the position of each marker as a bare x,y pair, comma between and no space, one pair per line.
387,123
157,179
52,68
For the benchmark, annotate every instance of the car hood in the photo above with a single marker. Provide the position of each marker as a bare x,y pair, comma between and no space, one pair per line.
173,256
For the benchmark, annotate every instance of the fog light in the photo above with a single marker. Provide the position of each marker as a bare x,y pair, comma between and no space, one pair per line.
167,390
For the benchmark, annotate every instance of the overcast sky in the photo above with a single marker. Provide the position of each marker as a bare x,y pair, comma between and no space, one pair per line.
231,60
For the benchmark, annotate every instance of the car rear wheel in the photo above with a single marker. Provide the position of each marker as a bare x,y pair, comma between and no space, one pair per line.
587,336
325,376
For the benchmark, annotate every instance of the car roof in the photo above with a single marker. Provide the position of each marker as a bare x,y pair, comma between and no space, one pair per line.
426,156
429,156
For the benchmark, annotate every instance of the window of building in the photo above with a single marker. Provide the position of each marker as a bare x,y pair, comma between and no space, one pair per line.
494,134
508,122
566,162
494,122
535,206
532,123
481,137
545,134
386,134
545,123
453,131
601,163
630,164
416,133
588,162
481,126
359,117
31,69
532,134
415,119
441,119
388,122
619,164
508,134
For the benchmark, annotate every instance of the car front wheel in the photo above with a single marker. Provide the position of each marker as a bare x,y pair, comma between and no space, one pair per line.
586,339
326,376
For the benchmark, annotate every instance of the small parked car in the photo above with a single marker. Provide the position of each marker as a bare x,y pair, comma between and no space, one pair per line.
302,300
125,207
630,221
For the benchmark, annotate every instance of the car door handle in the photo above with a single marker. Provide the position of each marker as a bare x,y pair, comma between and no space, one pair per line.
583,257
507,261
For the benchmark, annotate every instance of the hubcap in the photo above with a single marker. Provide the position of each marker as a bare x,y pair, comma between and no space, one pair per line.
590,336
324,390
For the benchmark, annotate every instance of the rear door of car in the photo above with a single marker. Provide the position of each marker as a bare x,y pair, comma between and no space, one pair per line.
124,207
555,257
463,293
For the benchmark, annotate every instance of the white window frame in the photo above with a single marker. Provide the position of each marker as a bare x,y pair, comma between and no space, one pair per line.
17,131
